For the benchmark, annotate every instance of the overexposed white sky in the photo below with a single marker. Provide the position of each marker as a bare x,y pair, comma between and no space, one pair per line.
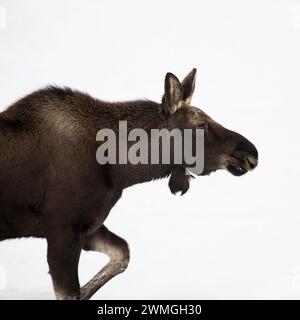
227,237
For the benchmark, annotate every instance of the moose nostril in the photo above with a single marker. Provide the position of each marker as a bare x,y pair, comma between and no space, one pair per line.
248,148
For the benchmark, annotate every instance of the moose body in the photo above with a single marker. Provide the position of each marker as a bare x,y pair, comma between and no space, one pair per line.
51,185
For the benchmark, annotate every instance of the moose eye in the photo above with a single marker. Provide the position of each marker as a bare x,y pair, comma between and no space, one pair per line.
202,125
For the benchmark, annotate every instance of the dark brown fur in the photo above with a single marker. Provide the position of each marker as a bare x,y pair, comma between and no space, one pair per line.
51,185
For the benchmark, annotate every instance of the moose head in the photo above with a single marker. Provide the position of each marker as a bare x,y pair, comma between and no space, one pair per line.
223,148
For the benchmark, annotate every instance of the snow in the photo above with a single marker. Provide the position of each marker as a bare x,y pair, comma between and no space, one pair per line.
228,237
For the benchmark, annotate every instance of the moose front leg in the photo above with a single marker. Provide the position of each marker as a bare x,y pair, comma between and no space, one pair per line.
116,248
64,247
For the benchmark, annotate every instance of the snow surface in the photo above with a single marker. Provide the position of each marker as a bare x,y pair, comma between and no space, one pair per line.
228,237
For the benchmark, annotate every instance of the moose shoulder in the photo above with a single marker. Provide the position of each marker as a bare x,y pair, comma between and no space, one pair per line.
51,185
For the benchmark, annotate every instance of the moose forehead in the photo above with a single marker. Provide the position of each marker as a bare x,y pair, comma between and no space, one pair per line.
190,116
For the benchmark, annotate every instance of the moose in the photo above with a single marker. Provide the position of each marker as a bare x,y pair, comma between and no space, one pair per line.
52,187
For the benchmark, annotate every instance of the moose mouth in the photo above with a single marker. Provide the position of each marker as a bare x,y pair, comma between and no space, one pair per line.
236,169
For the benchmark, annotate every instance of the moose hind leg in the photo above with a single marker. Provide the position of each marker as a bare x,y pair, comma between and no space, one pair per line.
116,248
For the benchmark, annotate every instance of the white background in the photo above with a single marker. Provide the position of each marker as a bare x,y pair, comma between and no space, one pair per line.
228,237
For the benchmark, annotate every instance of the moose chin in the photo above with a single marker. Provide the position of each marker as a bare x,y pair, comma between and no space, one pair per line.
52,186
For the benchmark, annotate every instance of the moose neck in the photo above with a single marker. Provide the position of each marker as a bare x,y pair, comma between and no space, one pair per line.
138,115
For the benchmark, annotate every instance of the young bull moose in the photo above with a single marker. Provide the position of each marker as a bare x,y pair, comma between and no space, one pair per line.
51,185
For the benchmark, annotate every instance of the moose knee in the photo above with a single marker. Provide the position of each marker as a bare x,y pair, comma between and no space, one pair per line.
112,245
119,255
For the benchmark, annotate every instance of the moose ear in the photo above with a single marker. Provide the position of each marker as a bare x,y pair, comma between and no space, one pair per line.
172,98
188,86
